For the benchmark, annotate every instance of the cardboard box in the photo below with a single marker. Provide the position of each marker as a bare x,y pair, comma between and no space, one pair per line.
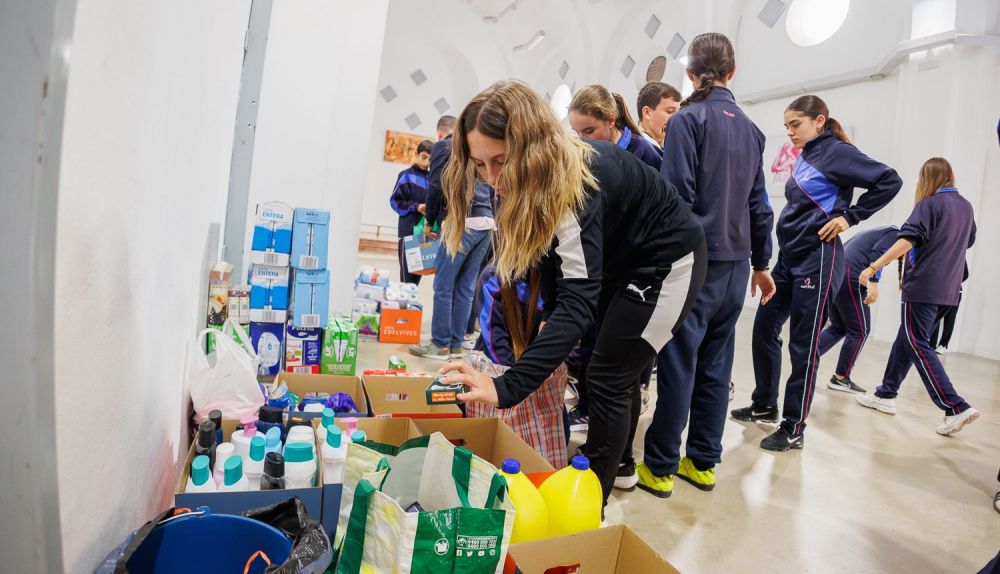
489,438
237,502
311,298
390,396
400,326
268,340
269,294
340,347
611,550
310,238
300,384
303,349
420,256
272,235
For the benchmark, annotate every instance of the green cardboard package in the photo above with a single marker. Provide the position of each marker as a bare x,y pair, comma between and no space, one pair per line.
340,347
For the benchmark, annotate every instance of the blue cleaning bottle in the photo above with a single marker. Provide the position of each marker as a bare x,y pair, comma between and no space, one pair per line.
272,441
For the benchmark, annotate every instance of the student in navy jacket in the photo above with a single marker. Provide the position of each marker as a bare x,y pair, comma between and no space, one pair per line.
713,156
408,199
810,260
614,247
597,114
935,237
850,315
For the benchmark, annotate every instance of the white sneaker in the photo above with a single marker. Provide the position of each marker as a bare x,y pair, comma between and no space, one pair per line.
887,406
955,423
468,344
626,478
941,350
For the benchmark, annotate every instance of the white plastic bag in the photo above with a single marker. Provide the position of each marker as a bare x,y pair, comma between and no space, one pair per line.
226,379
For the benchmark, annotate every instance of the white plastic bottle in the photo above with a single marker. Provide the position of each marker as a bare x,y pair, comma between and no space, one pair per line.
241,438
299,434
200,479
233,479
222,454
300,465
254,466
334,453
325,421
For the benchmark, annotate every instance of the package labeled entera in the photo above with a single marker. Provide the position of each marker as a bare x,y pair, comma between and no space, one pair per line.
267,341
269,294
272,235
310,238
303,348
310,298
340,347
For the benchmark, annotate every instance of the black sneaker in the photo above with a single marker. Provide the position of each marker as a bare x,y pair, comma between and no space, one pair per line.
781,441
578,421
845,385
753,414
626,479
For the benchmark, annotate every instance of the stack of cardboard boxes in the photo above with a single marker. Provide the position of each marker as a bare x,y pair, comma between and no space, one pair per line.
310,290
384,309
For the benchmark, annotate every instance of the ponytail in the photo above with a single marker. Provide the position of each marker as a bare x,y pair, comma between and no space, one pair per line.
711,59
521,317
834,127
706,81
623,115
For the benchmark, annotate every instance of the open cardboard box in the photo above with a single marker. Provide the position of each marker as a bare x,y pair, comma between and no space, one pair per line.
302,383
489,438
611,550
395,396
237,502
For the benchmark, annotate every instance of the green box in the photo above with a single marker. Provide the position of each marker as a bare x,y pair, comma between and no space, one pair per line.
442,393
340,347
210,339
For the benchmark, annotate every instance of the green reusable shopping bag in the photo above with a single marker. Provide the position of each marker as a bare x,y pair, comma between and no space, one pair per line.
418,229
463,525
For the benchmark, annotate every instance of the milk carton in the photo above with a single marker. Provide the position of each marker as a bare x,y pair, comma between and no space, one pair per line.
310,238
269,294
272,235
311,298
340,347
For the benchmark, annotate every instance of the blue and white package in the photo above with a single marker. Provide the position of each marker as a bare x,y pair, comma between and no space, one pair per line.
267,340
311,298
373,276
310,238
303,349
272,235
269,294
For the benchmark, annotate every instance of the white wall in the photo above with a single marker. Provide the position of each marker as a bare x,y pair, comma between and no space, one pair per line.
148,137
316,108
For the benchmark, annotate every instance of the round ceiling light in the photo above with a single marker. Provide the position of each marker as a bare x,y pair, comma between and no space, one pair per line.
812,22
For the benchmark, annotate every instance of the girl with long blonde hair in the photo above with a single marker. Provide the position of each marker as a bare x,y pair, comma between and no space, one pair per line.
613,246
935,237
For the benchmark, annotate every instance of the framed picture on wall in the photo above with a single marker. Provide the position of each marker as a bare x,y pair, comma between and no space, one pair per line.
401,147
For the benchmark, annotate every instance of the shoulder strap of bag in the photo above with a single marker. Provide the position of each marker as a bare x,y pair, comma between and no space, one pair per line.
232,326
353,546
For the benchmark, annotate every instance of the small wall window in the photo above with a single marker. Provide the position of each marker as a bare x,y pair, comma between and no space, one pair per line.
812,22
560,101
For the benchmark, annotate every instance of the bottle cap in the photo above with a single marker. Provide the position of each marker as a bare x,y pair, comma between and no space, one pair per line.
269,414
333,435
233,471
297,421
206,434
274,465
273,437
359,436
352,423
581,462
216,417
511,466
199,470
222,454
298,452
257,449
327,417
249,423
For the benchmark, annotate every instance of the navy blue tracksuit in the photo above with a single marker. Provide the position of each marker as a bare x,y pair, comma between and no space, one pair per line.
941,228
712,155
410,191
850,317
821,188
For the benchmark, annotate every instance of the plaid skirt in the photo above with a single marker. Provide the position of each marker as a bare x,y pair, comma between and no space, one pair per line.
538,419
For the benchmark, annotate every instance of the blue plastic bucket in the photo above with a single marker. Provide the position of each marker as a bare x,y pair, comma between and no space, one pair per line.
204,542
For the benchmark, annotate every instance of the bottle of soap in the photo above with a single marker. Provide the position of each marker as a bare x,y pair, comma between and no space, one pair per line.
359,436
300,465
352,426
241,438
222,454
201,478
325,421
233,479
274,472
272,440
334,453
205,442
254,467
270,417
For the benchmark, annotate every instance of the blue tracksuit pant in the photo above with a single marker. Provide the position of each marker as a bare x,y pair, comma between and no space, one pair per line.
694,371
850,320
912,346
802,296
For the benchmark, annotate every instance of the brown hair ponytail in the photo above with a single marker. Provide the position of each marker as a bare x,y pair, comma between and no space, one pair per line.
519,316
598,102
934,174
710,59
814,107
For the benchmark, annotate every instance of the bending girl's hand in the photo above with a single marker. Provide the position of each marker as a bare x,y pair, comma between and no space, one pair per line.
479,387
872,293
765,282
866,274
833,228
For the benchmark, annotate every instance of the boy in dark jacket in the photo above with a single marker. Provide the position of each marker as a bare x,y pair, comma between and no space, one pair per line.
409,199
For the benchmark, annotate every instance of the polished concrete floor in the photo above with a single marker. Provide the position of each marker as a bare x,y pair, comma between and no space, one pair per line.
868,493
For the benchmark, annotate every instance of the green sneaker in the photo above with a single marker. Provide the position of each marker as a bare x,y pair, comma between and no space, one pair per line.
430,351
701,479
661,486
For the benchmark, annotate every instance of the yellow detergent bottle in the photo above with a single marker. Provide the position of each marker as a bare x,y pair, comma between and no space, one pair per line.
573,498
531,519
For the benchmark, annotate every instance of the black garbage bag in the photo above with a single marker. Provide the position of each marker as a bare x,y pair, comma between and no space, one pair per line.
311,548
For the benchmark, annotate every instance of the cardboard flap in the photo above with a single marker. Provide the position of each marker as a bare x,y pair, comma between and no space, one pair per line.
490,439
404,396
611,550
394,431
